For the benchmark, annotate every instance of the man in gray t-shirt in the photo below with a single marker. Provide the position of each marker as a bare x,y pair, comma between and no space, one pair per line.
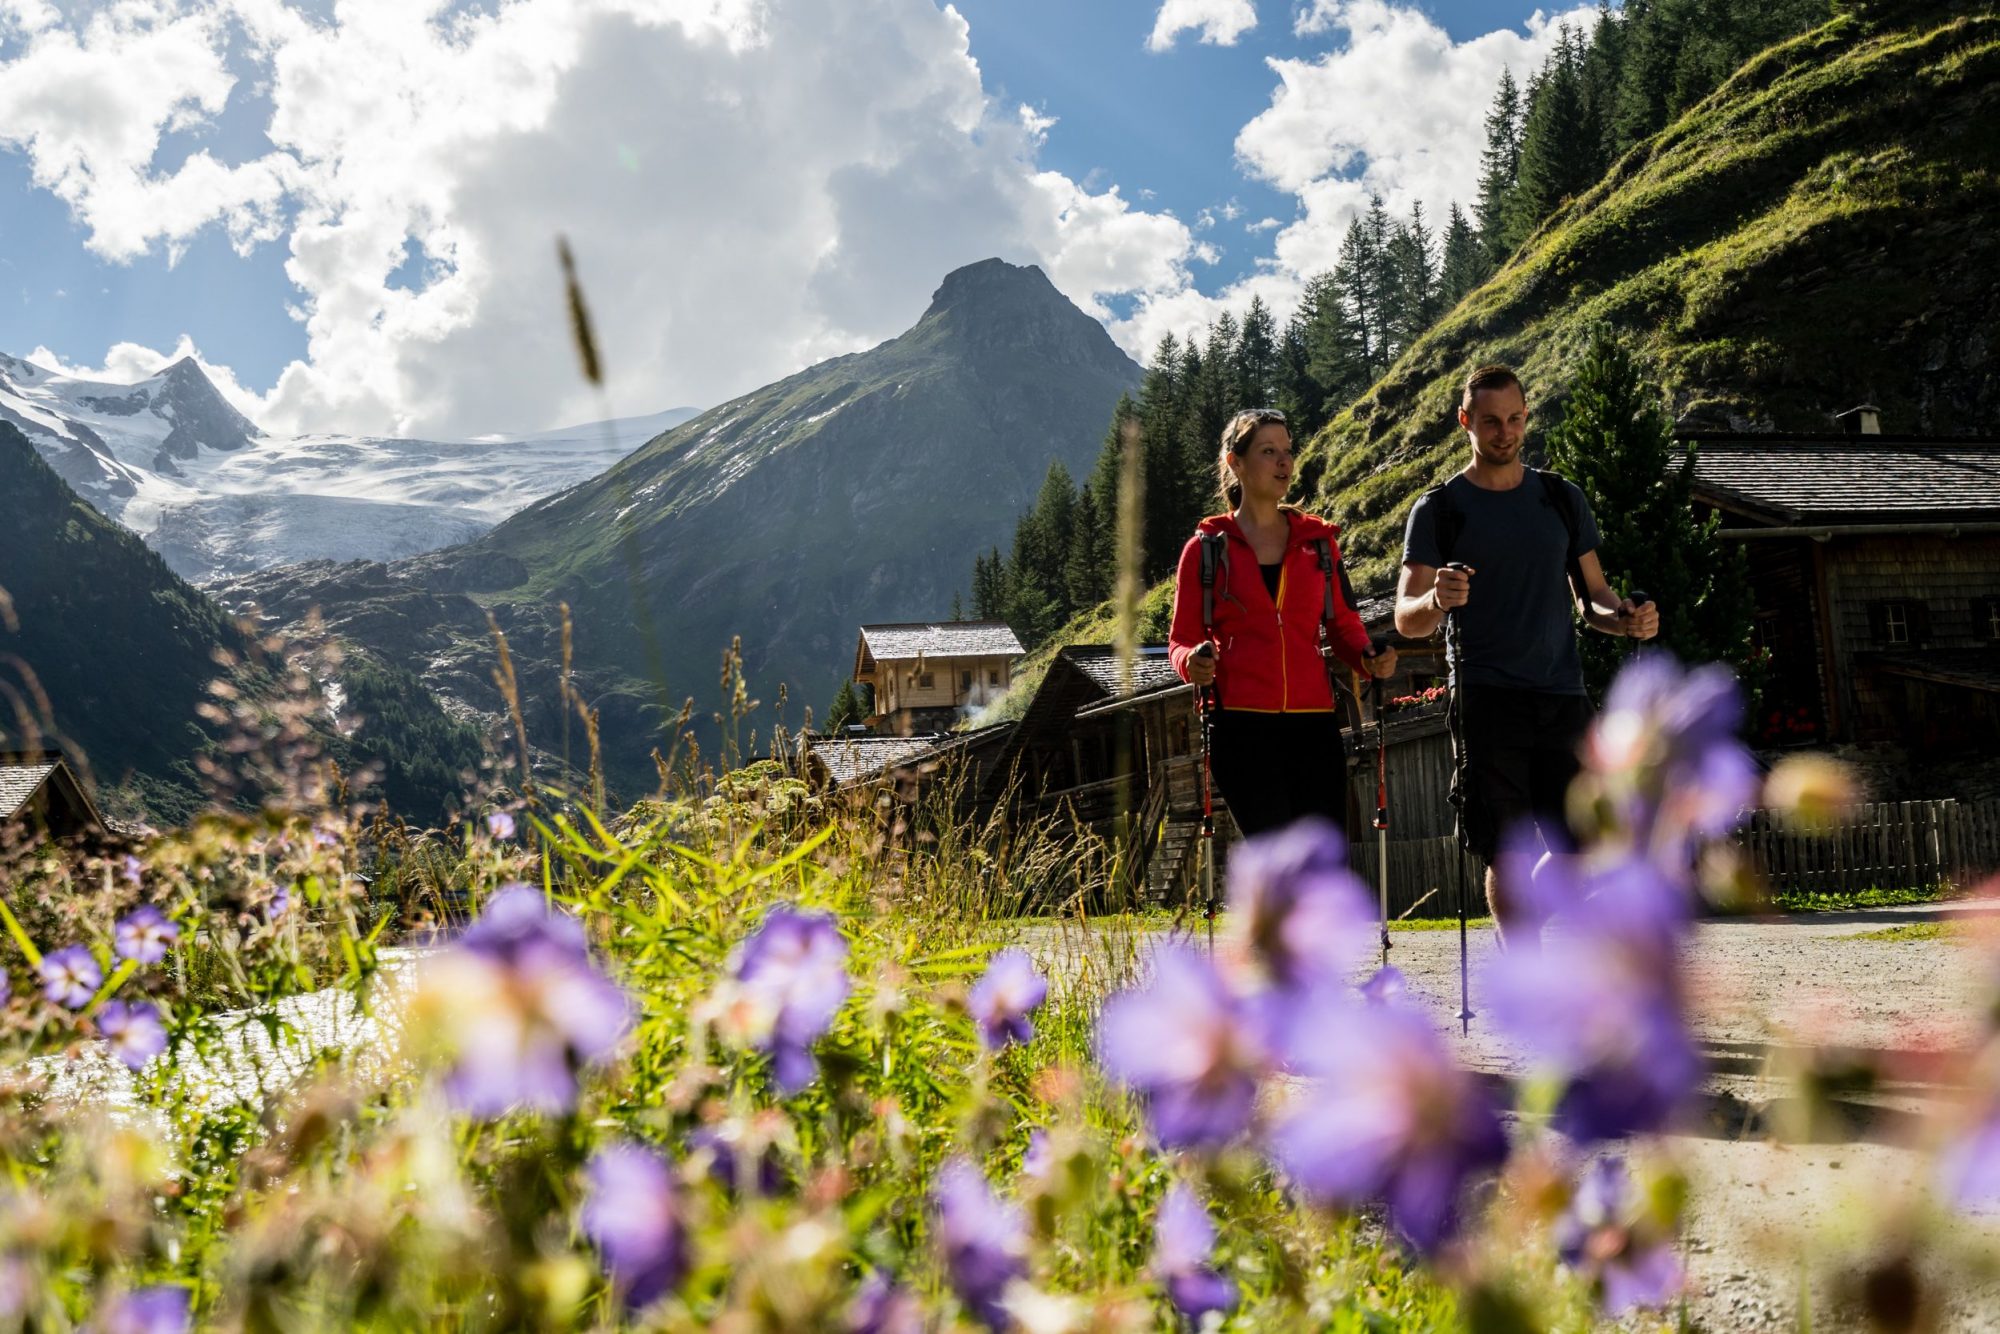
1528,542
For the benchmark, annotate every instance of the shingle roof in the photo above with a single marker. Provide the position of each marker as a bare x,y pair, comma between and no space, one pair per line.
850,759
940,639
1151,669
19,783
1851,478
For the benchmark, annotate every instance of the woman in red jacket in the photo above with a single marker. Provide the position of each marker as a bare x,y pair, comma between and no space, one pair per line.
1277,752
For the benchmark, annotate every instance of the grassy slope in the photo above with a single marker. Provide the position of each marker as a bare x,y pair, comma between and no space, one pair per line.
1812,235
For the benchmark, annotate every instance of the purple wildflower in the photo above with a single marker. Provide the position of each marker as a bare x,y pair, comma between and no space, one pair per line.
131,868
1388,984
881,1306
1969,1168
524,1005
1306,915
70,976
1664,752
1596,1237
145,936
731,1161
279,903
794,972
632,1217
155,1310
1003,999
984,1240
1600,1004
1184,1238
134,1031
500,824
1388,1117
1038,1159
1190,1047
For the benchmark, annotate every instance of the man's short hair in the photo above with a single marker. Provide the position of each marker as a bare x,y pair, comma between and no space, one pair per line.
1495,376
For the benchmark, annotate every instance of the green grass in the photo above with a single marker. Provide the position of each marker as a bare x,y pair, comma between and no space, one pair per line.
1913,931
1439,924
1810,901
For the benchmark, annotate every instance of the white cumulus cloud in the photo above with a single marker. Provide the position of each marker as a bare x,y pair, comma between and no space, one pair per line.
1220,22
1395,105
748,186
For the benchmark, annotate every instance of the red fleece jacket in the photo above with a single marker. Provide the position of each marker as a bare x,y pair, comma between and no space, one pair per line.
1267,652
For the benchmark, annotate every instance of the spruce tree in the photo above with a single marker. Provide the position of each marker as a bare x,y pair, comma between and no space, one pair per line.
1358,276
1086,576
1410,298
1463,266
1499,168
844,711
1557,160
1617,444
1254,359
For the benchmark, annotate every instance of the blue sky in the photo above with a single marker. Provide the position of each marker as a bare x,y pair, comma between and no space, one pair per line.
1174,180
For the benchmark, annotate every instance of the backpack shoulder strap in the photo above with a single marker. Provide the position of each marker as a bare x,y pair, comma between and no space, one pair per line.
1558,497
1446,521
1214,565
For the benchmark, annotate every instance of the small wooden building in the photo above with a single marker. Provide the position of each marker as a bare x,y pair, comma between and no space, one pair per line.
40,798
1875,564
927,677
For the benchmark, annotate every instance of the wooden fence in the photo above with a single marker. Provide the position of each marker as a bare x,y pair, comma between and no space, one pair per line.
1882,844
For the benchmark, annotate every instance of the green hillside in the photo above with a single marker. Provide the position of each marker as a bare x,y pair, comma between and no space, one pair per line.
1815,234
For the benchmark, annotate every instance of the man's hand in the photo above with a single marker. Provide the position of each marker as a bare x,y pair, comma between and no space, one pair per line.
1201,666
1381,663
1453,587
1640,619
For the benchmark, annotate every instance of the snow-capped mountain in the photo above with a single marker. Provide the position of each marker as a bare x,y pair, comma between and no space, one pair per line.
170,459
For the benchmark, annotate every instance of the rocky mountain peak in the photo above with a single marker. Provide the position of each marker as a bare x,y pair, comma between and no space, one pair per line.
993,304
202,417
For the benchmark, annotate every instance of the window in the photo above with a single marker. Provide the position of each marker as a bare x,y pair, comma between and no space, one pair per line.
1896,623
1899,623
925,680
965,679
993,676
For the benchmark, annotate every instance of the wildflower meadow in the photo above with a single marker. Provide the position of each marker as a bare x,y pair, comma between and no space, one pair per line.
749,1057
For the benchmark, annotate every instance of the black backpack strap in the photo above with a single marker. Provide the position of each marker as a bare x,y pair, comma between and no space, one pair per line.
1446,521
1556,495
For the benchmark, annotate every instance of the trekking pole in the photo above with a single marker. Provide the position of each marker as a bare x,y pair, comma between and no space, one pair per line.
1455,650
1205,706
1381,800
1639,598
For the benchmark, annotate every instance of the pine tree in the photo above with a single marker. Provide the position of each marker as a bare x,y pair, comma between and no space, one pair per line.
1617,444
1557,160
1086,576
1463,266
1410,299
958,604
1499,168
989,586
1602,76
1255,358
844,711
1358,276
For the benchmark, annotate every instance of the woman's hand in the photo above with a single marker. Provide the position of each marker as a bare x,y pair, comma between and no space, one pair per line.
1382,664
1201,666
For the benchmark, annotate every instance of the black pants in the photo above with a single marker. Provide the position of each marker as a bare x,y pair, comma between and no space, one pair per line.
1273,768
1520,753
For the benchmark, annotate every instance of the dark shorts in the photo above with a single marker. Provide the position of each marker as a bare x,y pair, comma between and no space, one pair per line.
1520,753
1272,768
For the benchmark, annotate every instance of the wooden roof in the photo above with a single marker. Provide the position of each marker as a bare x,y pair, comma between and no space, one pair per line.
933,641
25,775
1875,479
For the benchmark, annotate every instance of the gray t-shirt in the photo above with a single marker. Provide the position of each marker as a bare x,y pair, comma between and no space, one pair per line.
1518,627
